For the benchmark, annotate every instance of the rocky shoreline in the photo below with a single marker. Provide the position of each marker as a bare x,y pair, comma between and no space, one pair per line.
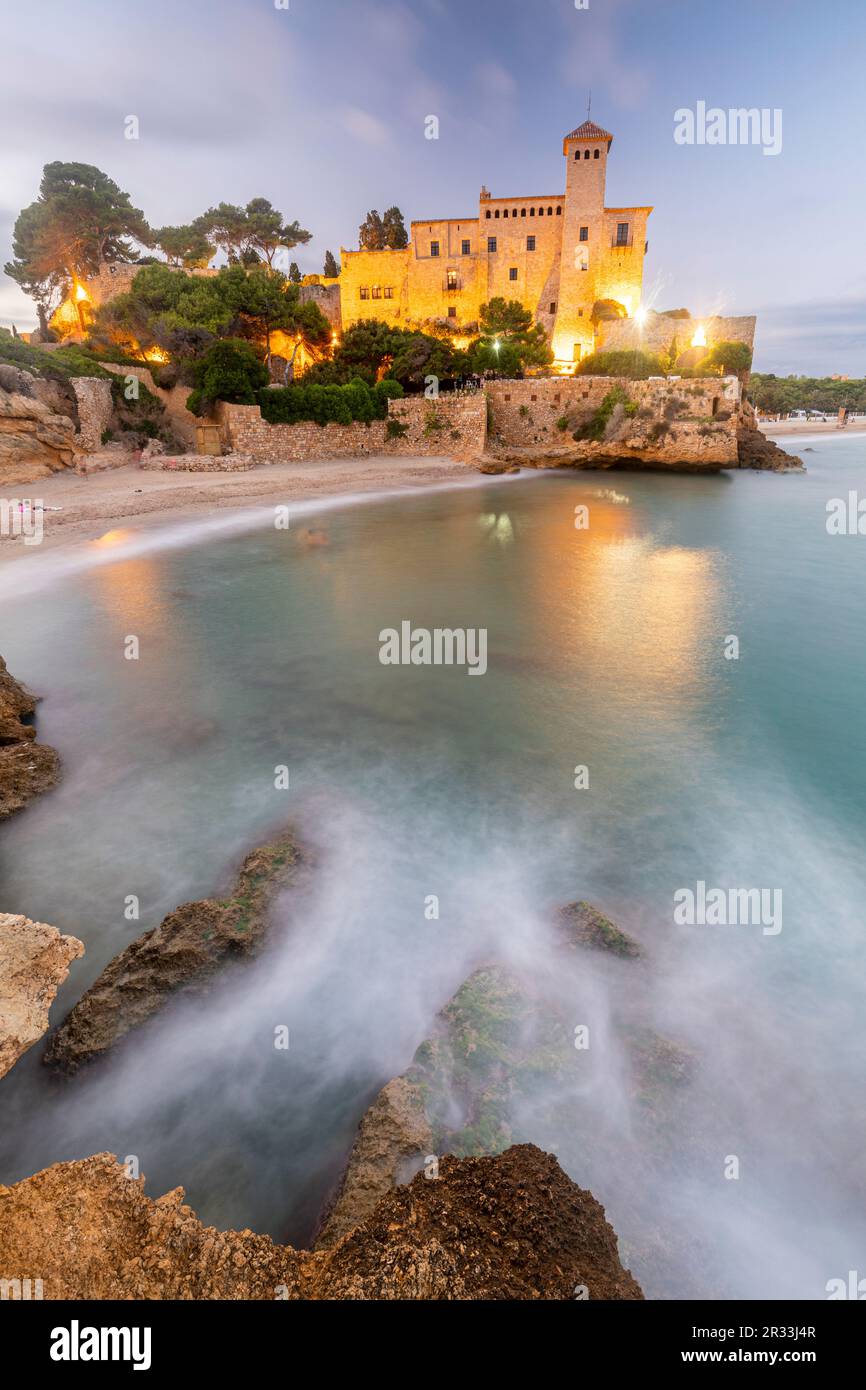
27,768
184,952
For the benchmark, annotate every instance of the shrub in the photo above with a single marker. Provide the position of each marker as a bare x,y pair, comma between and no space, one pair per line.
230,370
395,429
594,429
326,403
635,364
562,423
433,421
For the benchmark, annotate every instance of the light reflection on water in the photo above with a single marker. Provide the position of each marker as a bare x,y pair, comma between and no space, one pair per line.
605,649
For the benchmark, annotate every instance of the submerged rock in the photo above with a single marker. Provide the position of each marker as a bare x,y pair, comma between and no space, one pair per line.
510,1227
583,925
27,768
185,950
755,450
34,962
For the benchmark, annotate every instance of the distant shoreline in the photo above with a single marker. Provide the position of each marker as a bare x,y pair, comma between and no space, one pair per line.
819,428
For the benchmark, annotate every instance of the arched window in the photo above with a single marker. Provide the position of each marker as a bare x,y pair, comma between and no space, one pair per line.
523,212
586,154
595,154
559,210
550,212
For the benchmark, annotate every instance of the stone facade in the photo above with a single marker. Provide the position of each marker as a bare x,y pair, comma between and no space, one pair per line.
448,425
556,253
95,408
174,400
684,423
657,332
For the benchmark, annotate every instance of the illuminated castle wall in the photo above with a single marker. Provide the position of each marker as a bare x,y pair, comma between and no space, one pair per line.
558,254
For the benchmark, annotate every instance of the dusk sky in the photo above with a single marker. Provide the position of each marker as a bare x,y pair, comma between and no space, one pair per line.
321,108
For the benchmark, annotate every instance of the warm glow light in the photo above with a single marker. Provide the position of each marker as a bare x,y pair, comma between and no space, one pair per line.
700,338
80,293
155,354
640,317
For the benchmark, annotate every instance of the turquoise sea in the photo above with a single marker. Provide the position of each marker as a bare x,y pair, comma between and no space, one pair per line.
607,650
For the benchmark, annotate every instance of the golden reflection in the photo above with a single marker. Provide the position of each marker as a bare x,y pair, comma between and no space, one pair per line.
497,526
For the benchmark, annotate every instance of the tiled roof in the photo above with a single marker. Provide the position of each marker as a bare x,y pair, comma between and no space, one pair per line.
589,131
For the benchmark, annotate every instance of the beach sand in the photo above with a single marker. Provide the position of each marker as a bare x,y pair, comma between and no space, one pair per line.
91,506
793,427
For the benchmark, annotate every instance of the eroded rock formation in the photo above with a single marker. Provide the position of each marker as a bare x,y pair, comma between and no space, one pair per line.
26,767
35,440
185,950
34,962
509,1227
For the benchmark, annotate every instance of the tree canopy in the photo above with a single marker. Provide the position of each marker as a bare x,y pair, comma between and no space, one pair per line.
252,233
80,220
386,233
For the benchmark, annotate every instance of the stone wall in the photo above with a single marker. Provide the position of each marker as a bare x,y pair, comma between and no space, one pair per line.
658,330
692,422
95,409
448,425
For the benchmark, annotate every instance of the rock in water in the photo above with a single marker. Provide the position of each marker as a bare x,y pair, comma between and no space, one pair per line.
26,767
582,924
393,1140
509,1227
34,962
186,949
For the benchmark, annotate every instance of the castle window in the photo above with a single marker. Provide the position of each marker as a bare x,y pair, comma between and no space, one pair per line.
577,154
541,212
550,212
553,306
559,210
586,154
496,213
622,234
580,311
533,398
523,212
491,243
388,292
452,312
532,212
514,212
364,291
465,248
487,213
595,154
512,272
434,248
451,280
505,212
584,233
530,243
377,291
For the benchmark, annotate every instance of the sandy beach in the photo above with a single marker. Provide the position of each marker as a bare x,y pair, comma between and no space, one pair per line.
782,428
91,506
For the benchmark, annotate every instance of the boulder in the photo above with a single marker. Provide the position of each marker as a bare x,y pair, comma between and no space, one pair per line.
27,768
34,962
185,950
35,441
509,1227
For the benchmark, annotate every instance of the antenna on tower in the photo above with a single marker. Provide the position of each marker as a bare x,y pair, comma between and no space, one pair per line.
589,104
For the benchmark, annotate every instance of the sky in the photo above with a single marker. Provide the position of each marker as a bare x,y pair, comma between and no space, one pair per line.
322,106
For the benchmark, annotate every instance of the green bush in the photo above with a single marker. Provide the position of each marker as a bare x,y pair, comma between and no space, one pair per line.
230,370
634,363
355,400
594,429
395,429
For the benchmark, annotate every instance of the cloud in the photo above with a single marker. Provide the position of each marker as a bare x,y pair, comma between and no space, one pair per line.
494,80
364,126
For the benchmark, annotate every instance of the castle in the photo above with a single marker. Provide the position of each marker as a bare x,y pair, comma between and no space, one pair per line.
557,254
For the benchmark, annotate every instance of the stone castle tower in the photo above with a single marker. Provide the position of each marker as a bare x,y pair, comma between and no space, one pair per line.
558,254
